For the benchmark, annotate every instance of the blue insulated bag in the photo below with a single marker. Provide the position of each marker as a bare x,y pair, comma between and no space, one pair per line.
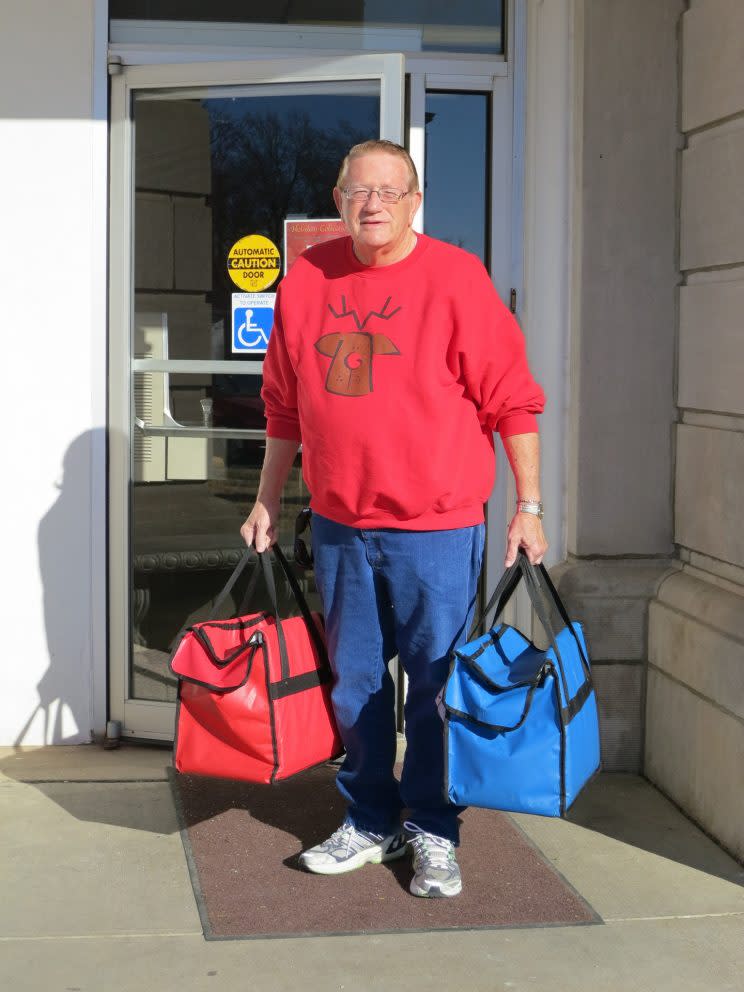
521,730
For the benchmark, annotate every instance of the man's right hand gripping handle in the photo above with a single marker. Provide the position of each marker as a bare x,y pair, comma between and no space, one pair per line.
260,530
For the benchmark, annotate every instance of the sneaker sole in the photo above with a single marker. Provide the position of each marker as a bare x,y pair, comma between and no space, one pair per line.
372,856
434,891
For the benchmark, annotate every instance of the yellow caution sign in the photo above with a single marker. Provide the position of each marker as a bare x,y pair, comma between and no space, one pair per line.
253,263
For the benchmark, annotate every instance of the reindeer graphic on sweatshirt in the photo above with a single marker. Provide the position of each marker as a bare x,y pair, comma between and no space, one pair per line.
351,352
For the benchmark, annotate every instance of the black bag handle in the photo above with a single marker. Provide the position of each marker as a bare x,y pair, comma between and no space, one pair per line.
268,576
500,597
312,628
267,572
227,588
534,591
221,597
542,575
539,584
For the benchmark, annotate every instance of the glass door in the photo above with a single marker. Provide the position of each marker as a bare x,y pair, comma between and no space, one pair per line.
219,173
474,200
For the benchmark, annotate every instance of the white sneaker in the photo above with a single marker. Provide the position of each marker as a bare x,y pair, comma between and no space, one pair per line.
349,848
436,873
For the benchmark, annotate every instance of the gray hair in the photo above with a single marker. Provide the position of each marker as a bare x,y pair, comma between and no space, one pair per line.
380,145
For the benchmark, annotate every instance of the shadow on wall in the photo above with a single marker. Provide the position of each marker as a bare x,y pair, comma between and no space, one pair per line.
63,714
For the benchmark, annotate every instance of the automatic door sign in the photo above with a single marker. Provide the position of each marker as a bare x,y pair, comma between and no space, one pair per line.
252,320
253,263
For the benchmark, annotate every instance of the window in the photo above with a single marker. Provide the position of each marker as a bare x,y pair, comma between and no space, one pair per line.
469,26
456,188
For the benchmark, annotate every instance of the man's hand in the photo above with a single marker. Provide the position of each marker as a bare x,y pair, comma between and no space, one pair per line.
260,530
525,531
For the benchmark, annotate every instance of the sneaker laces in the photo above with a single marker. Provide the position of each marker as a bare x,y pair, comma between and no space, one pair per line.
348,839
429,850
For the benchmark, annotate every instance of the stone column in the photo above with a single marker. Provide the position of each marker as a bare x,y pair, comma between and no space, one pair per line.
619,519
695,708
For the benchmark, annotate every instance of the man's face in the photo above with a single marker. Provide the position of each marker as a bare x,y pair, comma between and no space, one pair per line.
374,225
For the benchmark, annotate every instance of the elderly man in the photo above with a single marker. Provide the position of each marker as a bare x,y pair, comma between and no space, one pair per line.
393,361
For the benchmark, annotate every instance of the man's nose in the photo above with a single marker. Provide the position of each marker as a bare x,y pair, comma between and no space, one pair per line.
373,201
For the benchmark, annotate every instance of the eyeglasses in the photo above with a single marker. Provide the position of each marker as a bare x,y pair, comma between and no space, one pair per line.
360,194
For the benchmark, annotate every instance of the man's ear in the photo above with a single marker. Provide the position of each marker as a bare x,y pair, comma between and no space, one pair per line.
338,197
415,200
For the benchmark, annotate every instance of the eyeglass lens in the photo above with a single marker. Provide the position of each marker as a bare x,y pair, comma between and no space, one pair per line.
361,194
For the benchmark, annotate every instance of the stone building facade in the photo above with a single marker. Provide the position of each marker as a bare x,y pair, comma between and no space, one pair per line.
627,210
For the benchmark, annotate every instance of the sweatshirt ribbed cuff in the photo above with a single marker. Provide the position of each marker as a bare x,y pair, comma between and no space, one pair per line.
518,423
283,429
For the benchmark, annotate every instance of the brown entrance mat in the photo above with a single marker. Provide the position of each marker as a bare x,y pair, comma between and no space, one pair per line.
242,842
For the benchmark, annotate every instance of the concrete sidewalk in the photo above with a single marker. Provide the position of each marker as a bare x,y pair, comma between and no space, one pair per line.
97,898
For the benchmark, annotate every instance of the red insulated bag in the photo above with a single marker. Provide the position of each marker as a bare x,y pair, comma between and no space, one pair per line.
254,691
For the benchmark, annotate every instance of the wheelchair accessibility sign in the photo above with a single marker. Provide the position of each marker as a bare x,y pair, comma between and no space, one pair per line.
252,320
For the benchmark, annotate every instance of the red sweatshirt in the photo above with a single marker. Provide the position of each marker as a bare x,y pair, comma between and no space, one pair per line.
394,378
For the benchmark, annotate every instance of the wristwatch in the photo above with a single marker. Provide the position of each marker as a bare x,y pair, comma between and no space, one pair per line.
530,506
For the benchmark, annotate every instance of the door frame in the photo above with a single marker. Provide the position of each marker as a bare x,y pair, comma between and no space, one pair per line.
149,719
157,69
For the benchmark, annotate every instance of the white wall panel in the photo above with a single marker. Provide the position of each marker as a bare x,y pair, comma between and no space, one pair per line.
53,316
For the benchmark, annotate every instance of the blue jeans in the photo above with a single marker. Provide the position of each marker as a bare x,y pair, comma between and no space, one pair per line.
388,592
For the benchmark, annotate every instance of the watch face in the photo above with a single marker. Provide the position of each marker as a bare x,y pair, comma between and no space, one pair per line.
527,506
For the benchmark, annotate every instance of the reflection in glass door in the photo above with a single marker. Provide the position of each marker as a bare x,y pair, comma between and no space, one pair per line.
211,168
209,165
456,186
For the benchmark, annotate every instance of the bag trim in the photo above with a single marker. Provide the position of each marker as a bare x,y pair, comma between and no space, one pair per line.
299,683
499,728
272,719
575,703
494,634
468,660
223,690
174,752
567,713
199,633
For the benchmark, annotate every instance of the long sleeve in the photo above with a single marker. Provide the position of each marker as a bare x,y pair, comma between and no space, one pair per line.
279,391
488,351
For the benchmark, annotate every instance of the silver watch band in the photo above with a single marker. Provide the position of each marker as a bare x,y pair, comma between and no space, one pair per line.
530,506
